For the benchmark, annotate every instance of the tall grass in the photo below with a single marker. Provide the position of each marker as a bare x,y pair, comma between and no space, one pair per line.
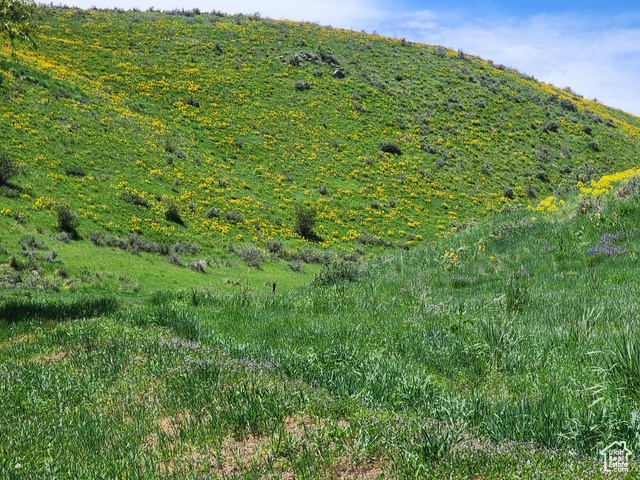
48,308
522,372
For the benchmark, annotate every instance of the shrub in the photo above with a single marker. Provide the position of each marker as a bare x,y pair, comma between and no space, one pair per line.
172,214
594,146
233,216
74,171
174,258
64,237
323,190
296,266
199,266
339,270
309,255
301,85
304,221
567,104
97,238
588,205
367,239
134,199
542,176
630,187
213,212
389,146
295,60
326,57
530,191
251,256
17,263
51,256
67,220
9,192
8,168
509,193
275,246
30,243
587,129
169,146
550,127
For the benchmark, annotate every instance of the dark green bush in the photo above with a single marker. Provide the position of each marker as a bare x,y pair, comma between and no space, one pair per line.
172,214
213,212
233,216
67,219
75,171
390,147
8,168
301,85
134,198
567,104
304,221
339,270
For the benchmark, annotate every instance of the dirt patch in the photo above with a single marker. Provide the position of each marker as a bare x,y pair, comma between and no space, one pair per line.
169,426
235,456
231,458
14,341
238,455
297,426
55,358
367,471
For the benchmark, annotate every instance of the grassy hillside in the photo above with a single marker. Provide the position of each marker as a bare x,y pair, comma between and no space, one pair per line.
508,350
165,314
233,120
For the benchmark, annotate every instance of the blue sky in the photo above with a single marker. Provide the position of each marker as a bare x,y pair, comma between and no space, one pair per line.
591,46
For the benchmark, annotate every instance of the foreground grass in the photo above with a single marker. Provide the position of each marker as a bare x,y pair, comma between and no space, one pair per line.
102,398
505,351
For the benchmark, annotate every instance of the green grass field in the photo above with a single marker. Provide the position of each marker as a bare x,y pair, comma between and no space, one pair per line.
507,350
464,306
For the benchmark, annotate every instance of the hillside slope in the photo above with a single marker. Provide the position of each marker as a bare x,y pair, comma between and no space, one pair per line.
206,128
